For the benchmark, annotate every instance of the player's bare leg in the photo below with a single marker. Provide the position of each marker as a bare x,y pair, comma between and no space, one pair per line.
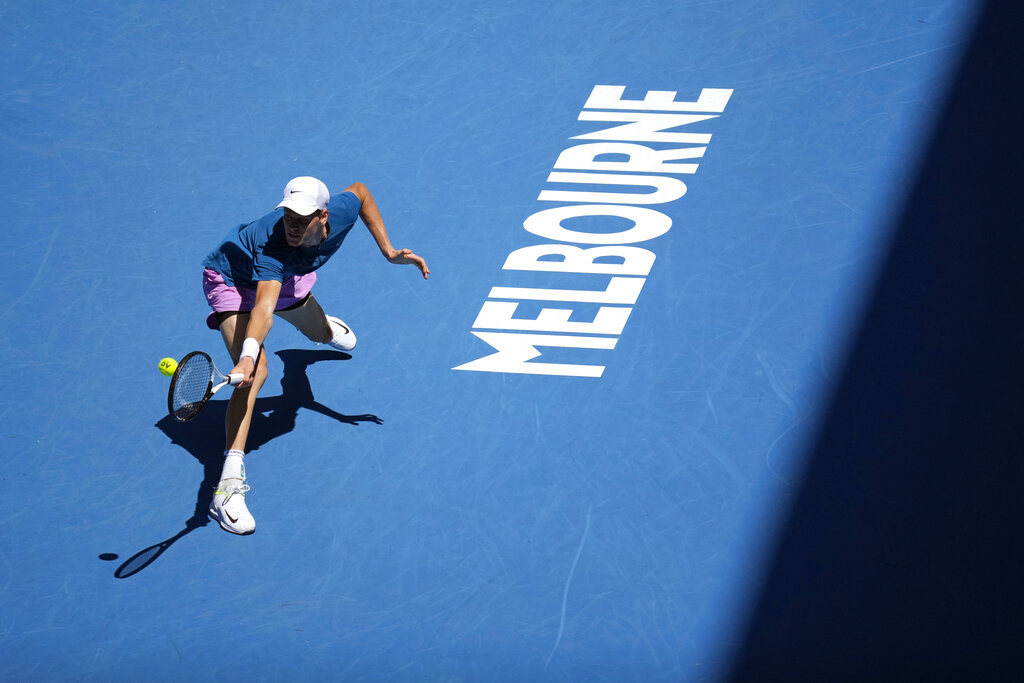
243,401
310,319
228,505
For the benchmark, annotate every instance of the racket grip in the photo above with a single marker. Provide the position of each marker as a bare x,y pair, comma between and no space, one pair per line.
235,378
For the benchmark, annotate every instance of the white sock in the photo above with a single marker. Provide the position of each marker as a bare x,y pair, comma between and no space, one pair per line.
234,465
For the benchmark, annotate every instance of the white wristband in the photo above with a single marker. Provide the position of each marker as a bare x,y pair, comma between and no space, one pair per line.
250,348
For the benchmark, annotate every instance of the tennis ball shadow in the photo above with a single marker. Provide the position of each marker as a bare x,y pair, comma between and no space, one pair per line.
203,438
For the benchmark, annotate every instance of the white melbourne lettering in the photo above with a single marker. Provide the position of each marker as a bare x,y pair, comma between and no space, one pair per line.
651,120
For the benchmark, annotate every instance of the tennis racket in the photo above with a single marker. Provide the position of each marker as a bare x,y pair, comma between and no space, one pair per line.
193,383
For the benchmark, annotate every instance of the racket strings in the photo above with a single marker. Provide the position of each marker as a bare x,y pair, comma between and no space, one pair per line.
193,381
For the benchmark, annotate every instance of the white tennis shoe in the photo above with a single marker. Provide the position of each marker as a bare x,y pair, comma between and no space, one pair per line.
228,507
344,339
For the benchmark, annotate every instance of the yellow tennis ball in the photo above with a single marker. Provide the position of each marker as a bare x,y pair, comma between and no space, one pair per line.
168,366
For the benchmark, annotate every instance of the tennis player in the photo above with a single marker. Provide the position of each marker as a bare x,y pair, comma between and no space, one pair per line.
268,267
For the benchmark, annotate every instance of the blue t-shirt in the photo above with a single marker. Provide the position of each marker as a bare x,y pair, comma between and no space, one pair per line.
258,250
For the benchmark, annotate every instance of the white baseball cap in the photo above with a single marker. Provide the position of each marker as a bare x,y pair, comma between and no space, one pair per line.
305,195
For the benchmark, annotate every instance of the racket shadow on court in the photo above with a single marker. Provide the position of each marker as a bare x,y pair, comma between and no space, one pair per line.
203,437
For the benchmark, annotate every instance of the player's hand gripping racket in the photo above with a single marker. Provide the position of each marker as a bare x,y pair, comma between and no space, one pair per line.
193,383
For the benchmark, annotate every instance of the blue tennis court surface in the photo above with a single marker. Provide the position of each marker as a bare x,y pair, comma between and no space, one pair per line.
575,453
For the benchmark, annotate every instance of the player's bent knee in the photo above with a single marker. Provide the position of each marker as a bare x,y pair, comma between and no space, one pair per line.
261,374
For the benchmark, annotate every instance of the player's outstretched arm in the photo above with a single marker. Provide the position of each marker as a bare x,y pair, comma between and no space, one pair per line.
371,217
261,319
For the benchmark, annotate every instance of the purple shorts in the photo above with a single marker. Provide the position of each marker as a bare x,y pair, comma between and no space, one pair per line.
224,298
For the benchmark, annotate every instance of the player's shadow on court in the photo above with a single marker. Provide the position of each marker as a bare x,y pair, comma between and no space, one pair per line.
203,438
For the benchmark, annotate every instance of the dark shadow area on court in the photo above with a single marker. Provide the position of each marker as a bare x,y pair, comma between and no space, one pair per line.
203,438
902,557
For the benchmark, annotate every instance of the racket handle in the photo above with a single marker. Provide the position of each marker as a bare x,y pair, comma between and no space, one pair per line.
235,378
